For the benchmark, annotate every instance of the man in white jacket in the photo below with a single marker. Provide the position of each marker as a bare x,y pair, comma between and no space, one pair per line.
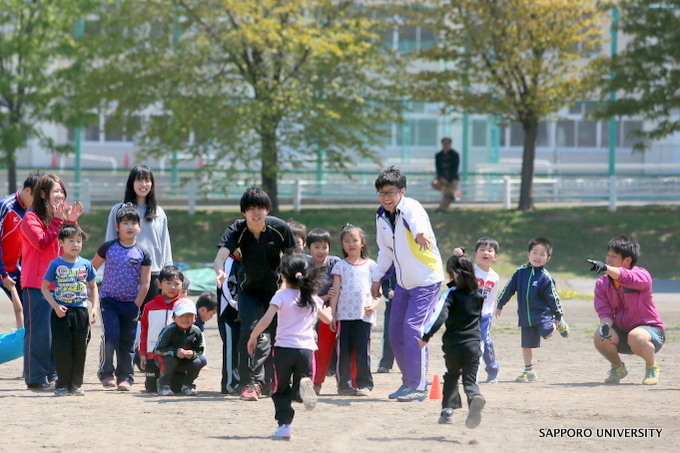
406,240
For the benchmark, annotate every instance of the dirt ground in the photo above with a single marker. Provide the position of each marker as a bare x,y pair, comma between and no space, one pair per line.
567,409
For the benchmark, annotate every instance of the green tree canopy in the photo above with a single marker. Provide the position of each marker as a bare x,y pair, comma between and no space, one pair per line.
253,83
37,68
647,72
518,60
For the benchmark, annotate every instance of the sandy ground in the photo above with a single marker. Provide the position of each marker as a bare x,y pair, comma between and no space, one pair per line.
568,397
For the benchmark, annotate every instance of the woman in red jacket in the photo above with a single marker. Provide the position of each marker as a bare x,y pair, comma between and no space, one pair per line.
39,246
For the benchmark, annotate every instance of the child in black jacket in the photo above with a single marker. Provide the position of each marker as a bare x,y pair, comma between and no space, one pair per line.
460,307
180,348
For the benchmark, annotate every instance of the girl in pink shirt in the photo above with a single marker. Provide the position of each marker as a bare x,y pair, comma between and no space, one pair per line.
39,246
297,306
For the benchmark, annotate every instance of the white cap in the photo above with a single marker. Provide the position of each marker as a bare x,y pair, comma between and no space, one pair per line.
184,306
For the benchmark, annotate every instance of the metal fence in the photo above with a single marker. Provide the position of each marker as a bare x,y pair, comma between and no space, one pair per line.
303,190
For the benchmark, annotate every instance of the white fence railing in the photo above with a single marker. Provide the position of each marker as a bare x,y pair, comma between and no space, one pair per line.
476,189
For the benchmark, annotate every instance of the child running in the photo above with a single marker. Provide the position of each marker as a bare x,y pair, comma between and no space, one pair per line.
538,305
353,312
297,308
74,283
461,308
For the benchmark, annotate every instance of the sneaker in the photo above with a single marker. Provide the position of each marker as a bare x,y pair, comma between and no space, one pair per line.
475,411
382,369
43,386
108,383
77,391
412,395
651,375
399,392
251,392
347,392
282,433
317,389
563,328
364,391
616,374
527,376
446,416
166,391
189,390
61,392
307,393
124,386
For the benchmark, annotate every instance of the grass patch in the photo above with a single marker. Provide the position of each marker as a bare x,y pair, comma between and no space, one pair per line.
576,233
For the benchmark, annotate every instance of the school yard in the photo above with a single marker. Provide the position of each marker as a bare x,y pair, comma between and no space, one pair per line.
568,409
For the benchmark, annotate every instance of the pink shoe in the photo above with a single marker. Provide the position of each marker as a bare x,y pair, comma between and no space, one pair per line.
124,386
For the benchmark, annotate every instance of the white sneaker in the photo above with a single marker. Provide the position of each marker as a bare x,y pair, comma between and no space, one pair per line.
166,391
282,433
189,390
365,391
307,394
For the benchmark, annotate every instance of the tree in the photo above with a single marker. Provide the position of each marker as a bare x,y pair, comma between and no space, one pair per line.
647,72
519,60
248,83
36,65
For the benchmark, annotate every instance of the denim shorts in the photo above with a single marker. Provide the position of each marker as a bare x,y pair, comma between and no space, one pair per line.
658,338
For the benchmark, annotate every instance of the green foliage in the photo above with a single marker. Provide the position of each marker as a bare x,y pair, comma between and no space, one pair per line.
517,60
249,83
37,68
647,71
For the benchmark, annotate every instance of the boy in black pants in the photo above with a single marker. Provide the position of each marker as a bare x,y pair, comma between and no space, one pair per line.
73,278
262,240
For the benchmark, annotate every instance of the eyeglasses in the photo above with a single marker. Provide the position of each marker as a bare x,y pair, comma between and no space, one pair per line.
387,193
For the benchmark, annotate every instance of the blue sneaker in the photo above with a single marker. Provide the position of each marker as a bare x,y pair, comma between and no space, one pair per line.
400,391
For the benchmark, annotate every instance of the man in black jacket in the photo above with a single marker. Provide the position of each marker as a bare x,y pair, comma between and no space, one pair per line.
446,162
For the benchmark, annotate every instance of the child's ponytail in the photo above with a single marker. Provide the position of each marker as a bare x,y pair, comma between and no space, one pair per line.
461,269
300,272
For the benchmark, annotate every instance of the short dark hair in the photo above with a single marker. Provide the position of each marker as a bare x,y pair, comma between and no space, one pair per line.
169,273
208,300
298,229
540,241
254,197
319,235
625,246
484,240
128,211
446,139
391,176
32,179
68,230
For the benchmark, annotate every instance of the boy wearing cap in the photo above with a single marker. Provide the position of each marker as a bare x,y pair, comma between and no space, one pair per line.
180,349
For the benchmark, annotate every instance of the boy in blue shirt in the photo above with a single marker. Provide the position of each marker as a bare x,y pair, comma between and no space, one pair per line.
538,304
74,284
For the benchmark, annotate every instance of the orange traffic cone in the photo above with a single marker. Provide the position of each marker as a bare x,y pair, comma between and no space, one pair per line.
436,388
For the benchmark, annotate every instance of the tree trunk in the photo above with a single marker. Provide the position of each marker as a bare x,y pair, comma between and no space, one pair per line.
526,197
12,172
270,163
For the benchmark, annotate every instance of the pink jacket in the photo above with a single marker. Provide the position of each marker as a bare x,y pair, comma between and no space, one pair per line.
631,305
39,246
